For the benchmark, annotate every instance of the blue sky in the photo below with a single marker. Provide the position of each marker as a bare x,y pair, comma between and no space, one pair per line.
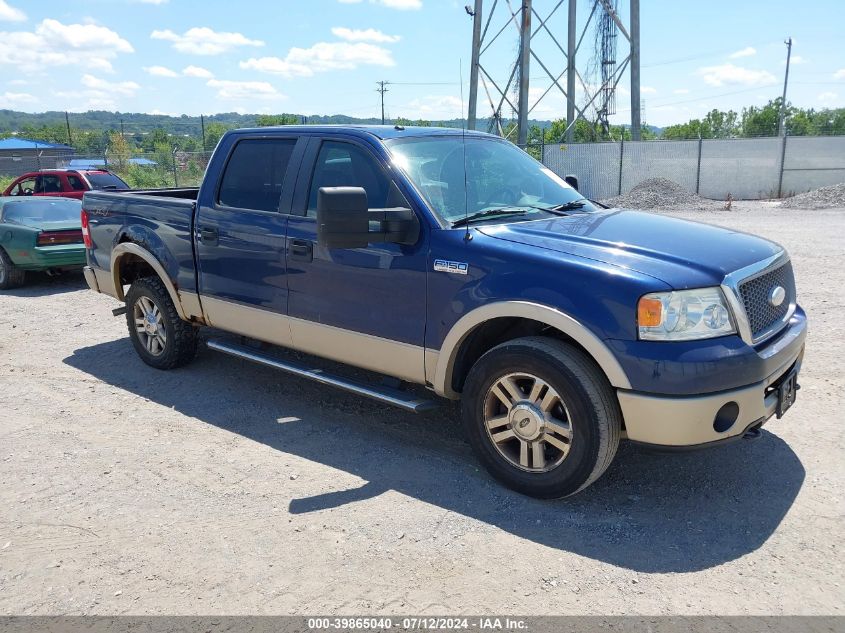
324,56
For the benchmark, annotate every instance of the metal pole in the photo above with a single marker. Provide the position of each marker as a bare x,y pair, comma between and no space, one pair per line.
381,89
635,70
473,71
570,73
524,58
781,131
698,169
175,175
782,162
621,156
67,122
202,124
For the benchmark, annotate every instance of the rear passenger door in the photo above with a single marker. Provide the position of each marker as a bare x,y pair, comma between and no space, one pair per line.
240,237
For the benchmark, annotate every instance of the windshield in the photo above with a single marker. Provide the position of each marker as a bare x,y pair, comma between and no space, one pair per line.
105,180
34,212
499,175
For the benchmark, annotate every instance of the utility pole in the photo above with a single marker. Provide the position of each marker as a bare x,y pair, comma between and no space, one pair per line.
202,126
524,58
570,73
635,70
473,71
381,89
67,122
781,127
121,127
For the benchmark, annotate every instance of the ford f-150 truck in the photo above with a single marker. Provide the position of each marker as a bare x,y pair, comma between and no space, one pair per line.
454,260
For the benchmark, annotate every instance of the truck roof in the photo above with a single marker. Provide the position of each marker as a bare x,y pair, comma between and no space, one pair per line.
379,131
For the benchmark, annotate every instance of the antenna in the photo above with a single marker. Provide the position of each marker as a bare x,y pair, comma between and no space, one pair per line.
467,234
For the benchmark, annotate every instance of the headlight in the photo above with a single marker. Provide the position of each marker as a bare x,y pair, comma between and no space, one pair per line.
684,315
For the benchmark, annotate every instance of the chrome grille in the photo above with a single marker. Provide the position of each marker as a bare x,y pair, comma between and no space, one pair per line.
755,292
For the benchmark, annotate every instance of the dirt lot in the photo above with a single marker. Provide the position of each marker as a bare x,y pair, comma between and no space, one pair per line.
228,488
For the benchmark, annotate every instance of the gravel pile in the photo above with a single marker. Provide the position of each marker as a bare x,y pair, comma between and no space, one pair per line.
822,198
661,194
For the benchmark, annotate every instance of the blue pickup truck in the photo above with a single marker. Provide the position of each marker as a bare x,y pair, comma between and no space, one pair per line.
454,260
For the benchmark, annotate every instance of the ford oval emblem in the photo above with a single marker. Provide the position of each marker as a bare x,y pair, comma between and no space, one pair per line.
777,295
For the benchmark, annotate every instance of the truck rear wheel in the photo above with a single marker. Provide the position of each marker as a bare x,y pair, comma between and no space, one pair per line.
160,337
10,275
541,417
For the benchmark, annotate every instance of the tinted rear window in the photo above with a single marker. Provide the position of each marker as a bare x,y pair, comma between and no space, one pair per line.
35,212
104,180
255,173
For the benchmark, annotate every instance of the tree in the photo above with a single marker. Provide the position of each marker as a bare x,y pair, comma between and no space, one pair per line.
763,121
119,152
267,120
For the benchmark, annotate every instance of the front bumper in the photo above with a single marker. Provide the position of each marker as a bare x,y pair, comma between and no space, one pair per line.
691,420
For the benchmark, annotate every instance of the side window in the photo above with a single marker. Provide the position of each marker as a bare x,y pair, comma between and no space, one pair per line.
24,187
255,173
346,165
75,183
48,184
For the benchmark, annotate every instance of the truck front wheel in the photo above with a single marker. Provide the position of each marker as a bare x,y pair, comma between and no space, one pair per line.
541,416
160,337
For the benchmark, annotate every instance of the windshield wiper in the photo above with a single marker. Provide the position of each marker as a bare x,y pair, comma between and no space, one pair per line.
489,213
560,209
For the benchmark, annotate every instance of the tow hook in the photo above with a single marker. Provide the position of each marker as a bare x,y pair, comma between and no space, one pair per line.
119,311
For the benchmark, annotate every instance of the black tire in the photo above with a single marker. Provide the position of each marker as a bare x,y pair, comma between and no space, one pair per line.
10,275
585,393
180,345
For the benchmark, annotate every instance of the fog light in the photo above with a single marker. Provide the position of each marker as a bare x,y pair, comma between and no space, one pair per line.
725,417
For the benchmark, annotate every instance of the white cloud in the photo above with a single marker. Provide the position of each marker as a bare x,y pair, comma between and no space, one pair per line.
839,74
55,44
13,99
322,57
731,74
364,35
748,51
402,5
17,82
795,60
647,90
204,41
431,107
827,97
11,14
160,71
197,71
247,90
123,88
681,91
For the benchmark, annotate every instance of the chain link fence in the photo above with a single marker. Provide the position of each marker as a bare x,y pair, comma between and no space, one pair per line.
746,168
139,170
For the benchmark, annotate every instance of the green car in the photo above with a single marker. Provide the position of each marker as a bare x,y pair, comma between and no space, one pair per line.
39,233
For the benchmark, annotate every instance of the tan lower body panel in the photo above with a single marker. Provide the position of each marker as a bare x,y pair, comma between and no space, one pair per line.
689,421
384,356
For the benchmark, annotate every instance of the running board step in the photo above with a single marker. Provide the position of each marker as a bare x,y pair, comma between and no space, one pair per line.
387,395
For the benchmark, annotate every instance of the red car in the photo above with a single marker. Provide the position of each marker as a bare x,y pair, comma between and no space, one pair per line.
67,183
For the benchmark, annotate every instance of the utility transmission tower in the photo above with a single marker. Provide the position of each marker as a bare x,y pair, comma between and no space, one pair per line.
381,89
530,25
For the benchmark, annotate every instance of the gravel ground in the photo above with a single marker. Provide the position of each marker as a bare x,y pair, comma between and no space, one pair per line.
226,488
822,198
662,194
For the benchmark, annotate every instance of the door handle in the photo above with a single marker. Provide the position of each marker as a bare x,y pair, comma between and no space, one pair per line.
209,236
301,250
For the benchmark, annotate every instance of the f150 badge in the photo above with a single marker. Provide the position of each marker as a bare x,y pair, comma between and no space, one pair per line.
445,266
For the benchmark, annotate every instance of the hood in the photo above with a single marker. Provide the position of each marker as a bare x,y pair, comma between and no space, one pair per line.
681,253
